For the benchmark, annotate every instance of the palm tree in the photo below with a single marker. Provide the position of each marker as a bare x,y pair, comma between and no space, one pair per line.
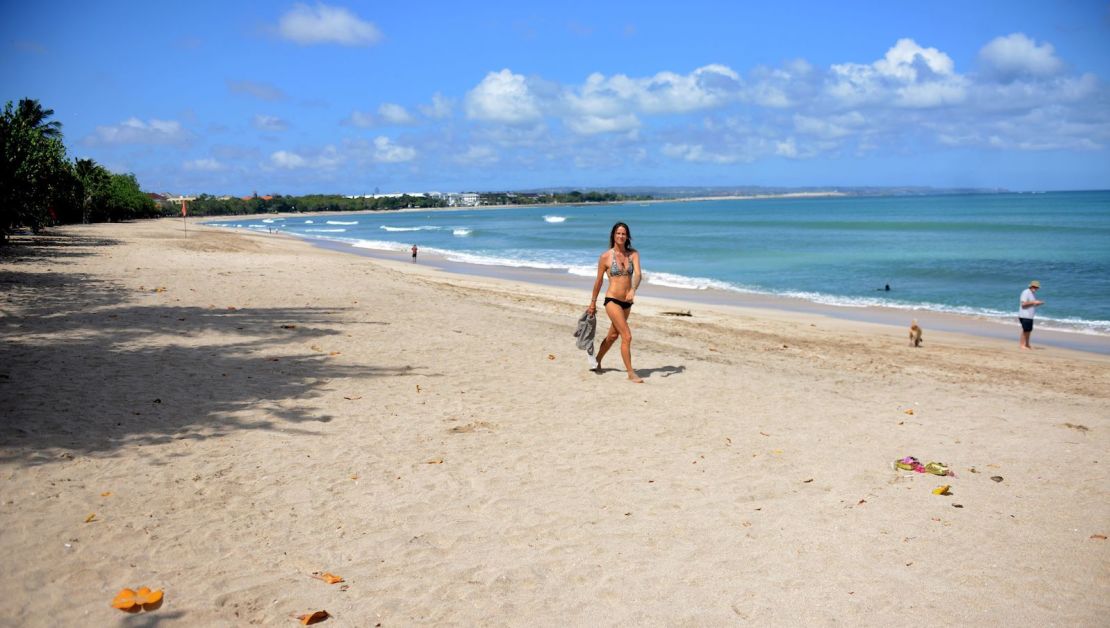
31,114
91,176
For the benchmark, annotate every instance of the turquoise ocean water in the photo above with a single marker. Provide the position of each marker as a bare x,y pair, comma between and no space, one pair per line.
967,254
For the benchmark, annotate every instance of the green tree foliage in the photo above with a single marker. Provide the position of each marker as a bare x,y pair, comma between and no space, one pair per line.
207,205
91,182
39,186
123,199
34,173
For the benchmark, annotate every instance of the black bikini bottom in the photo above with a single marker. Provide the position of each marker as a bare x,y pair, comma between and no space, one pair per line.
623,304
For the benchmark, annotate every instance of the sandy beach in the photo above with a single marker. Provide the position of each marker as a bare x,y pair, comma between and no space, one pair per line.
222,415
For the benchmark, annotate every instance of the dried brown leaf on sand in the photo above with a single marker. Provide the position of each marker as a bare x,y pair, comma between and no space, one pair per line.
314,617
327,577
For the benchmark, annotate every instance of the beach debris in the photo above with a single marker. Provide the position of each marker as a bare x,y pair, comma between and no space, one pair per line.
160,289
996,478
1077,427
106,494
316,348
91,518
686,313
327,577
973,470
288,326
132,601
909,463
232,308
764,434
942,490
1098,537
353,398
434,461
314,617
354,477
938,468
550,356
909,411
957,505
807,481
334,353
418,388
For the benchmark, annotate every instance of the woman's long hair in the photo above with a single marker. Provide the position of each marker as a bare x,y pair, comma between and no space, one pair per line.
627,242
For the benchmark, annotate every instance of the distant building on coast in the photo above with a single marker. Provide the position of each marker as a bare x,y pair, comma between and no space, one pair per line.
463,200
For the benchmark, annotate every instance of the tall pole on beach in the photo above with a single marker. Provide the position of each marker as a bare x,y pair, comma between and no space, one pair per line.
183,221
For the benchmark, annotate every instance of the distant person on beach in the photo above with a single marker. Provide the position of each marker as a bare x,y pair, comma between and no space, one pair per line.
622,264
1028,309
414,254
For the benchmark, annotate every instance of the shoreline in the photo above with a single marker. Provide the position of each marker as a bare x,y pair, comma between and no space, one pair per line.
894,317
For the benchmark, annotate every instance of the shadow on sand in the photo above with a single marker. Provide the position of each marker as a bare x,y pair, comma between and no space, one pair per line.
84,369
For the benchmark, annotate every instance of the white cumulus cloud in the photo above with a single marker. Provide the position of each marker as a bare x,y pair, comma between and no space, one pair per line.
325,24
908,76
665,92
1017,55
325,158
503,97
288,160
439,108
395,114
590,125
385,151
135,131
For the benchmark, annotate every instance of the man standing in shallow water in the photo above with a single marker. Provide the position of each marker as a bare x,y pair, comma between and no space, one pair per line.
1028,309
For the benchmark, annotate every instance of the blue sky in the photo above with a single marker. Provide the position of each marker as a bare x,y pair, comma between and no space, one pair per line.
345,97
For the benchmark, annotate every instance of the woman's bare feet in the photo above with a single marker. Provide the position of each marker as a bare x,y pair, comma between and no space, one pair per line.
634,378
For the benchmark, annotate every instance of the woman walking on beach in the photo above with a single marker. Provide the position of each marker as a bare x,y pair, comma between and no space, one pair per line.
622,263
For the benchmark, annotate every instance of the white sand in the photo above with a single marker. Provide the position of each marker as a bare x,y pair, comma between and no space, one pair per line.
437,441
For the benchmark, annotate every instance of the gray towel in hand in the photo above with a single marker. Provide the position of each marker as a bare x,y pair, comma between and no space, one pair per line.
587,325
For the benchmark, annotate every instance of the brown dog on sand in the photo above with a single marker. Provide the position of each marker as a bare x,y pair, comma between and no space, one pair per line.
915,334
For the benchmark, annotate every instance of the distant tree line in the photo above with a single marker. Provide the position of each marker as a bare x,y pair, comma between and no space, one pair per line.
207,205
40,186
526,198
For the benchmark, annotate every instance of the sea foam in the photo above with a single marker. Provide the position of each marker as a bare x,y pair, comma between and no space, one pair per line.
421,228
